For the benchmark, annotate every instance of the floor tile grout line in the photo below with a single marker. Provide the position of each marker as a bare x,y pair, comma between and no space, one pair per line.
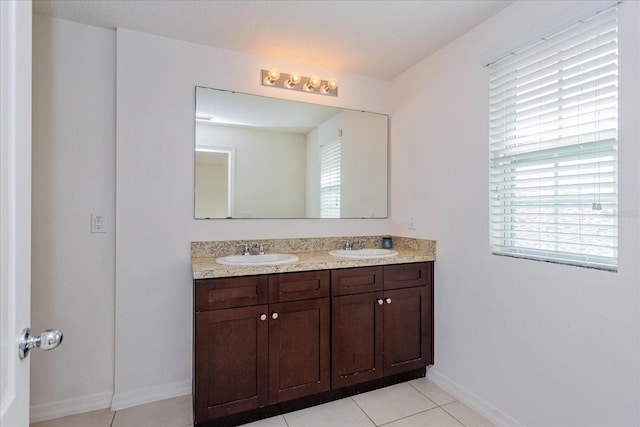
285,420
362,410
424,394
411,415
453,416
439,405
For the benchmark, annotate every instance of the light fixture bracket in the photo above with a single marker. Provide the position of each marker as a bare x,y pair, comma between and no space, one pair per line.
284,82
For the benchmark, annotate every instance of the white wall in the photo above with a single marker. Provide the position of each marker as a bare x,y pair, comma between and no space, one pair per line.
155,108
73,274
269,169
526,342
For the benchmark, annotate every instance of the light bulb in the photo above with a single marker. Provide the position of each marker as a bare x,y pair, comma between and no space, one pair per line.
314,82
294,79
331,85
272,77
274,74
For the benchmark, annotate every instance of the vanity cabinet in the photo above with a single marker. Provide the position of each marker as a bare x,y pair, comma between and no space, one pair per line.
267,342
259,340
381,321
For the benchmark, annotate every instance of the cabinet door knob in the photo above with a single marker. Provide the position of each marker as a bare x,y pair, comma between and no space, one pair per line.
388,300
263,317
380,301
274,316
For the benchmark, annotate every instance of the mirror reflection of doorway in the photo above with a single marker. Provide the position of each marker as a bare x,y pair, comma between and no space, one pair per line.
214,182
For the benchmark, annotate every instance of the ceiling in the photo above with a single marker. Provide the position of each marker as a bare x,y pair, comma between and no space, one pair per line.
378,39
241,109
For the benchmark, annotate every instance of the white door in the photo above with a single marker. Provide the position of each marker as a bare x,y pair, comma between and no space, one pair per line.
15,207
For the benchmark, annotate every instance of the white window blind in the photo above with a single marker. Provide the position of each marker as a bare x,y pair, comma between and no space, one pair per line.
330,179
553,146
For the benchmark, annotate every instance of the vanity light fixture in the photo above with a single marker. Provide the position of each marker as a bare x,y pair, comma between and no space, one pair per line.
295,81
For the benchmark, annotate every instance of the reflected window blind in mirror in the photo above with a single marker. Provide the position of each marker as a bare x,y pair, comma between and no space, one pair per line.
553,129
330,179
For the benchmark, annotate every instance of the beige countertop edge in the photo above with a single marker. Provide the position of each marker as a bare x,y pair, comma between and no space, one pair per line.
207,268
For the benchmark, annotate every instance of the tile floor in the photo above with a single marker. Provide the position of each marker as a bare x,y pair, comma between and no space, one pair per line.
411,404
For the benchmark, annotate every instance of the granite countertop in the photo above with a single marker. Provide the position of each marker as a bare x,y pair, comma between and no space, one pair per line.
313,254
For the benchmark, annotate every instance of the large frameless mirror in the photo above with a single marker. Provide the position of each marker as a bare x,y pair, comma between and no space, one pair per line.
261,157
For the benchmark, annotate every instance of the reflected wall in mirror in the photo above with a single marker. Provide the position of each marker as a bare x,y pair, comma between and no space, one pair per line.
214,182
260,157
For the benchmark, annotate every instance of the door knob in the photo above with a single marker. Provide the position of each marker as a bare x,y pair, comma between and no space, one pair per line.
47,340
388,300
263,317
274,316
379,301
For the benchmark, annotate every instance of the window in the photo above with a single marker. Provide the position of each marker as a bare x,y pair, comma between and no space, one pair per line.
553,146
330,179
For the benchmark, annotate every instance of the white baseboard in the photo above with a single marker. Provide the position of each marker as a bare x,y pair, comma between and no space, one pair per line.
472,400
150,394
166,391
63,408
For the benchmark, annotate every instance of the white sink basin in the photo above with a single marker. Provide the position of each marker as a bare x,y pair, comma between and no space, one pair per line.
256,260
364,253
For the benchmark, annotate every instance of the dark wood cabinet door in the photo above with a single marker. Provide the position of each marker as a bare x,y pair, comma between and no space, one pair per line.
298,286
230,292
298,349
356,339
407,329
358,280
408,275
231,361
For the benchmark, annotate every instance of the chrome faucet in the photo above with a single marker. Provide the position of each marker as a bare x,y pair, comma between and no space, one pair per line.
347,245
259,248
357,245
245,249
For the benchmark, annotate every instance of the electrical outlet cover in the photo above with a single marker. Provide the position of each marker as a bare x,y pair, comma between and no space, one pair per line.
98,223
412,221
